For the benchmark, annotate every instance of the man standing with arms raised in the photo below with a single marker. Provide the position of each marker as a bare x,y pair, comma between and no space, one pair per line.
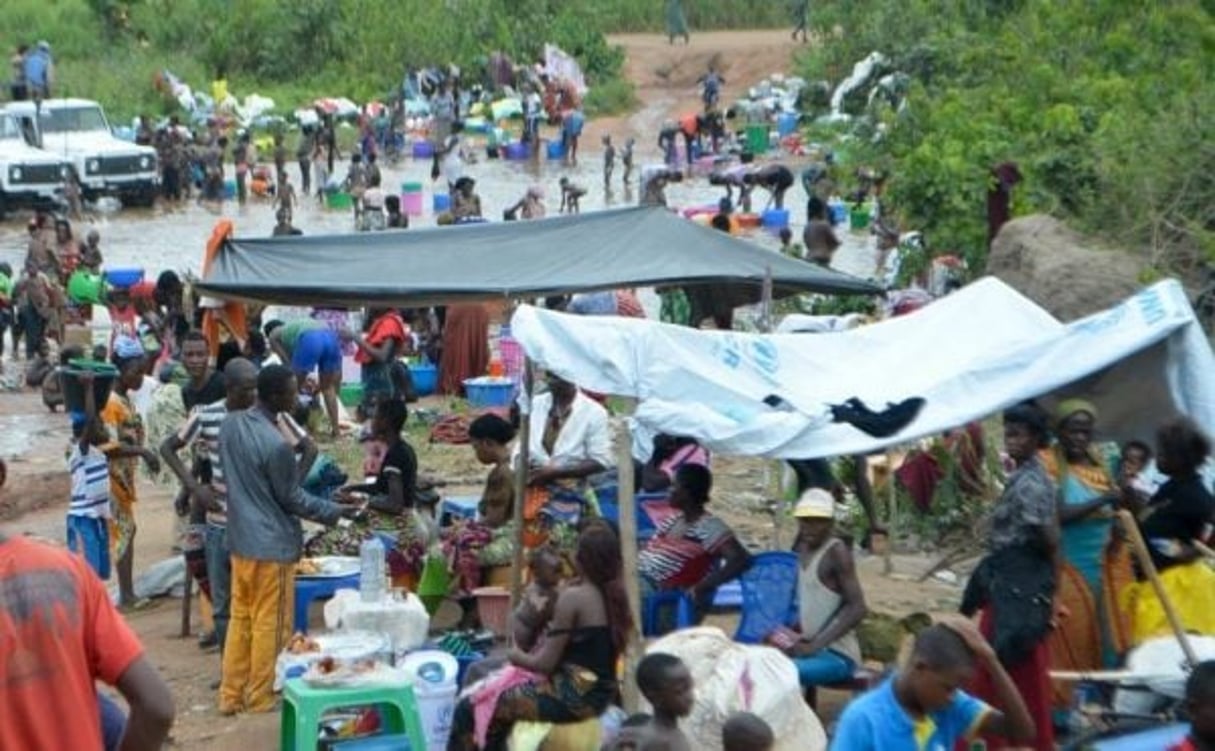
265,504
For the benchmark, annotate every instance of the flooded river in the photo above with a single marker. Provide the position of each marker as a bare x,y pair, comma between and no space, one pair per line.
173,238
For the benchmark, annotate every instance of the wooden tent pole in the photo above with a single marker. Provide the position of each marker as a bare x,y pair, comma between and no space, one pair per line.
627,504
1131,528
521,467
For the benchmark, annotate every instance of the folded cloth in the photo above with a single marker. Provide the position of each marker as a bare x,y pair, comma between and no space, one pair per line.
484,697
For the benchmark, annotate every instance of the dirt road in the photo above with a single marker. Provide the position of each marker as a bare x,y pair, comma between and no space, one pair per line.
665,75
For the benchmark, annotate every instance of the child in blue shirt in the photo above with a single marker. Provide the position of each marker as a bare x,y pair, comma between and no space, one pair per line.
922,708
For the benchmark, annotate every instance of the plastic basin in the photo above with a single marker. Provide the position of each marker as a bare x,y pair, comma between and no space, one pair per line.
441,202
339,200
425,378
122,278
775,218
351,394
85,287
422,150
556,150
104,375
489,392
517,151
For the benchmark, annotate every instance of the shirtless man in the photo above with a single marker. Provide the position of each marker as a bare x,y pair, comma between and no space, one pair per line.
571,194
774,178
654,180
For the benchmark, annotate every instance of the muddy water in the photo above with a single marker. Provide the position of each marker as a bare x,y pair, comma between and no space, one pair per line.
165,238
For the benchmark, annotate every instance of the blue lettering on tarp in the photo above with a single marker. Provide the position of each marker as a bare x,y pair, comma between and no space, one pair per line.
1151,306
1103,321
727,350
766,356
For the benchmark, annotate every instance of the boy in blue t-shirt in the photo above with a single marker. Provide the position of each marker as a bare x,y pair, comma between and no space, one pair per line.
922,708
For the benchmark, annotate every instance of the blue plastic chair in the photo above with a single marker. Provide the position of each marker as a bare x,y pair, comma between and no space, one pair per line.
645,525
769,596
651,609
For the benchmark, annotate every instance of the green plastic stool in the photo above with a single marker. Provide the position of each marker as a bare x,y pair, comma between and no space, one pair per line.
303,706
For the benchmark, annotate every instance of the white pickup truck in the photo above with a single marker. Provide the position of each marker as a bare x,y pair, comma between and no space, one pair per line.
30,178
77,130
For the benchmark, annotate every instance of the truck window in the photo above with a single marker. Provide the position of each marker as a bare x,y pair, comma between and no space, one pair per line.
8,129
74,119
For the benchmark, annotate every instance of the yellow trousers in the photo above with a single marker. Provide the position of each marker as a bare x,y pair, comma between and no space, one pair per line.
262,611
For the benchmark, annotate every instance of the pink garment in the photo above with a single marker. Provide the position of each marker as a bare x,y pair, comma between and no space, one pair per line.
692,453
484,697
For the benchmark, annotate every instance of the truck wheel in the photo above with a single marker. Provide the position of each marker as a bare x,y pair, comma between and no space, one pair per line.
144,199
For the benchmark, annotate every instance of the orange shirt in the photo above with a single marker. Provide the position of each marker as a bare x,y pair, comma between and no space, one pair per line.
58,633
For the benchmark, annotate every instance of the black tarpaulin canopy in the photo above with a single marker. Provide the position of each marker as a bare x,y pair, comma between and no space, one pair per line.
633,247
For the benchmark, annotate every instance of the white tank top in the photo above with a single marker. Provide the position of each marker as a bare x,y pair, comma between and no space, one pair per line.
817,603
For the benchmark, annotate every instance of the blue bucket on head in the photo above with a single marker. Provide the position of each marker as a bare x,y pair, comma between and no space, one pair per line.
441,203
556,150
423,149
775,218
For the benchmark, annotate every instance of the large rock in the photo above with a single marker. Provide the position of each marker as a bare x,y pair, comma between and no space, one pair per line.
1061,270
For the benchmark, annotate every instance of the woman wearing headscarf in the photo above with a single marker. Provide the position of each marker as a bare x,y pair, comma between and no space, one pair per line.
1095,566
124,451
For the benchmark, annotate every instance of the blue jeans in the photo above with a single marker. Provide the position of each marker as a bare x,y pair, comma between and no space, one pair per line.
113,722
219,573
823,667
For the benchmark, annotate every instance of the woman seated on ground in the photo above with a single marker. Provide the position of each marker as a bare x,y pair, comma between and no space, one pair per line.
390,498
670,453
694,550
1179,514
571,676
465,203
487,540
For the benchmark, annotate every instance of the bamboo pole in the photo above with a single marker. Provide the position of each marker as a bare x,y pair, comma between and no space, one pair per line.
891,515
1203,549
1131,528
521,469
627,504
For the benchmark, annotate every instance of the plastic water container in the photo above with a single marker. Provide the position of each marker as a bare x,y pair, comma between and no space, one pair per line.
775,218
556,150
412,204
757,138
489,392
837,210
423,150
371,570
230,189
435,676
786,124
441,202
85,287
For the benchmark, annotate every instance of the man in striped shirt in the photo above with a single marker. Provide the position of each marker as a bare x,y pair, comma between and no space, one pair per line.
209,494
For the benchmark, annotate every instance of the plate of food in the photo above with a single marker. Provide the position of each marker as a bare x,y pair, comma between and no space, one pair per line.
326,567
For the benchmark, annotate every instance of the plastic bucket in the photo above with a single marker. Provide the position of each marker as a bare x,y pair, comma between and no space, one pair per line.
441,202
339,200
104,375
775,218
84,287
425,379
122,278
350,394
413,204
839,213
411,187
556,150
786,124
757,139
423,149
517,151
230,189
858,217
435,676
489,392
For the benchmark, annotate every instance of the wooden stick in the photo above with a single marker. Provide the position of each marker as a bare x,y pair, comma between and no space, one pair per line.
1203,549
627,504
521,468
1131,528
892,515
185,604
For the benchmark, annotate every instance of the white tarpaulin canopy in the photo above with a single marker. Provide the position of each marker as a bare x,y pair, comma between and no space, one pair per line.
971,354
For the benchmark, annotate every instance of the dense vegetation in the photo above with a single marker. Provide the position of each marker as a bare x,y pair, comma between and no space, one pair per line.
1106,106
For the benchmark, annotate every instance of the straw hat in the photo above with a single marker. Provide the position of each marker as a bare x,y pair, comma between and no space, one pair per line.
815,503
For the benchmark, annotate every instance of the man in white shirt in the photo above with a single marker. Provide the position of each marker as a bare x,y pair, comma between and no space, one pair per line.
570,438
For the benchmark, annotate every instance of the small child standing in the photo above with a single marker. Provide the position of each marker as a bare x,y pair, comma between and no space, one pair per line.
626,159
609,160
88,514
666,683
536,607
744,731
284,196
1200,707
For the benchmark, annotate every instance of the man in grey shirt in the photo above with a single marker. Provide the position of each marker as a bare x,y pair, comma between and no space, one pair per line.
265,504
